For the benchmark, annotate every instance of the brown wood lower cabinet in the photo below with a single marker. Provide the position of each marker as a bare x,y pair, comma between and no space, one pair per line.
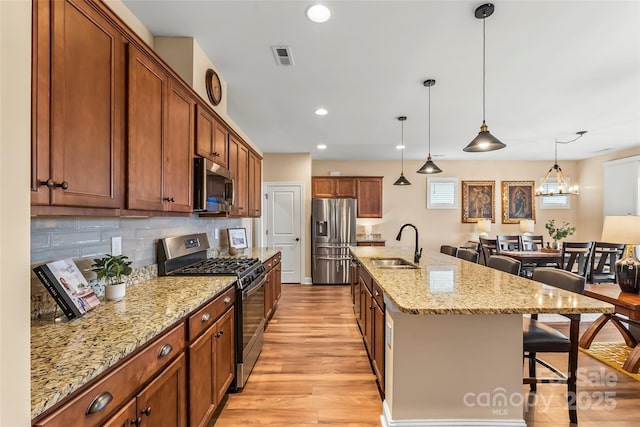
273,285
161,404
370,315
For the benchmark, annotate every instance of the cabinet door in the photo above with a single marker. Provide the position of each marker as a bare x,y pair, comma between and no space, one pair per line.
124,417
323,187
345,187
201,378
163,402
378,344
178,151
255,185
224,355
220,142
204,133
268,295
239,167
146,111
278,281
82,145
369,195
368,321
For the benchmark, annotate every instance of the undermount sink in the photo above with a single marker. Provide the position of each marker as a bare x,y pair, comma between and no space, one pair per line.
395,263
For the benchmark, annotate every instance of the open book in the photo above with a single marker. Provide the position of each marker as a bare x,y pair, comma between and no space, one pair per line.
67,286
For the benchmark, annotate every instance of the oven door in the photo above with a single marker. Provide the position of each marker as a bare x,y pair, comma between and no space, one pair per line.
251,328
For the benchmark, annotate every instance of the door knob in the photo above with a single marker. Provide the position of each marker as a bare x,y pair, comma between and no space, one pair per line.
297,239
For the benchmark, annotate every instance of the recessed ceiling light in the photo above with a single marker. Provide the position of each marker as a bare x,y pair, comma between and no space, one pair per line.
321,147
399,147
321,112
318,13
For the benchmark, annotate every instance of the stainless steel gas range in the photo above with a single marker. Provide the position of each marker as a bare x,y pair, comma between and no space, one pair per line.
187,256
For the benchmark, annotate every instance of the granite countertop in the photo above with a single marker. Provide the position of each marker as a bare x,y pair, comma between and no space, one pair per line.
447,285
65,355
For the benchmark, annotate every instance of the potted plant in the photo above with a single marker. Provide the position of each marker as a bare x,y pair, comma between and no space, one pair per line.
111,269
560,232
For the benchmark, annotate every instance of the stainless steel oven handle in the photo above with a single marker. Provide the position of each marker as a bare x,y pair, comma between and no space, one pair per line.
253,289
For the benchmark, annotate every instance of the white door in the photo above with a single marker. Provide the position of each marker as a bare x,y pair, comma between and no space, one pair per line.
284,226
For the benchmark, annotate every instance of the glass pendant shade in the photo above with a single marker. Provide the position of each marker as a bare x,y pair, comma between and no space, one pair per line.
429,167
402,180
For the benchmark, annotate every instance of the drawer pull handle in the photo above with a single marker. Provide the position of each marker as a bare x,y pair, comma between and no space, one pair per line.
377,293
99,402
165,350
137,421
227,299
146,411
206,317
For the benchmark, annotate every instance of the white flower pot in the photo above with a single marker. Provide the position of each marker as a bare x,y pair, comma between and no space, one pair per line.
115,292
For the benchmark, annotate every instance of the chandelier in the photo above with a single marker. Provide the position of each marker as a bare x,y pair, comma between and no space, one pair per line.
563,187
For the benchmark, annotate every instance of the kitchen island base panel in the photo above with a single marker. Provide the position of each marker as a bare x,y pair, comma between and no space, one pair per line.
451,369
386,421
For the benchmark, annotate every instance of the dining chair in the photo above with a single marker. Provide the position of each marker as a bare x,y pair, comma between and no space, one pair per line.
507,243
603,259
504,263
576,256
468,255
487,248
531,243
449,250
541,338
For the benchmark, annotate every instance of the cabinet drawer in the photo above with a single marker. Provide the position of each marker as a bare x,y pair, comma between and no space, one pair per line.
377,294
207,315
120,384
366,278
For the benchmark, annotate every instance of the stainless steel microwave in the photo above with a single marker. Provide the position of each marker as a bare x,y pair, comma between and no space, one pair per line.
213,187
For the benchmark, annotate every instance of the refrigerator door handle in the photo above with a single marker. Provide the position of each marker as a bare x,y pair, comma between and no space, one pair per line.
340,258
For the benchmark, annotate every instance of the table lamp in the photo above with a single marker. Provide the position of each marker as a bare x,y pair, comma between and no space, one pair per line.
625,229
527,226
484,226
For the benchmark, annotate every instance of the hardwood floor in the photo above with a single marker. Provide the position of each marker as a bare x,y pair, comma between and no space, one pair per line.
314,370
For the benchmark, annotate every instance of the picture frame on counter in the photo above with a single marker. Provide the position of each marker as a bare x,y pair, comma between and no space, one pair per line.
478,201
518,201
237,238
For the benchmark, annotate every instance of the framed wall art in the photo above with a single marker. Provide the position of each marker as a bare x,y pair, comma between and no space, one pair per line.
478,201
237,238
518,201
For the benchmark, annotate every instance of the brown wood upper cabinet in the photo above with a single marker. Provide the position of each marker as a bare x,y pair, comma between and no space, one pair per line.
367,189
255,185
77,107
161,121
369,195
333,187
211,137
239,167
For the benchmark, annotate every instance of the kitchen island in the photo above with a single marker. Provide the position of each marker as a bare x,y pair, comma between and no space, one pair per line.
453,338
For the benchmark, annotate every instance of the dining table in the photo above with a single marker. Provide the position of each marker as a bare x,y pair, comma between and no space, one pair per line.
535,257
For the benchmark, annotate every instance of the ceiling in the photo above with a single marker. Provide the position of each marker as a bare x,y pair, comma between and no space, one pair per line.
552,68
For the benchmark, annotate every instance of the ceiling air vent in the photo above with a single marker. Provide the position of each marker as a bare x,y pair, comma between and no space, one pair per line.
283,55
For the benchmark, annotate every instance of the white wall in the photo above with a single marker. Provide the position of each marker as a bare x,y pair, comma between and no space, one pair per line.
15,134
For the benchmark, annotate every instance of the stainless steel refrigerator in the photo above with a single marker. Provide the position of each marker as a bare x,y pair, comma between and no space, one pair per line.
333,230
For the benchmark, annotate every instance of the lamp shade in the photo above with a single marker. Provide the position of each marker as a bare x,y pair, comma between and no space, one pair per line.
527,225
621,229
484,142
484,226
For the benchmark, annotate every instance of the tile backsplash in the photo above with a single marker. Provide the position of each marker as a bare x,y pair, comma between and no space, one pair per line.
83,238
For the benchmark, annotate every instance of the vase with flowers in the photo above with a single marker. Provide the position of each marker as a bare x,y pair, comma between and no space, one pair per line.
559,232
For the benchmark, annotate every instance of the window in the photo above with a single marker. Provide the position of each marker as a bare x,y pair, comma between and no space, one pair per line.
442,193
554,202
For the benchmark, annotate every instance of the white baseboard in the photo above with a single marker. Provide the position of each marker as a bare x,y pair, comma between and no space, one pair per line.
306,281
386,421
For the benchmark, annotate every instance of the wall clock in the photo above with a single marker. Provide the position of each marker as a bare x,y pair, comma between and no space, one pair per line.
214,87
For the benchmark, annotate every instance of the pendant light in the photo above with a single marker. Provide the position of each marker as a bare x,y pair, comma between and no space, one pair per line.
429,167
402,180
484,141
564,189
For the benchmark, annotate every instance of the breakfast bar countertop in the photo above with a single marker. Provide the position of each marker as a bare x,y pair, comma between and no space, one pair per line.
447,285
